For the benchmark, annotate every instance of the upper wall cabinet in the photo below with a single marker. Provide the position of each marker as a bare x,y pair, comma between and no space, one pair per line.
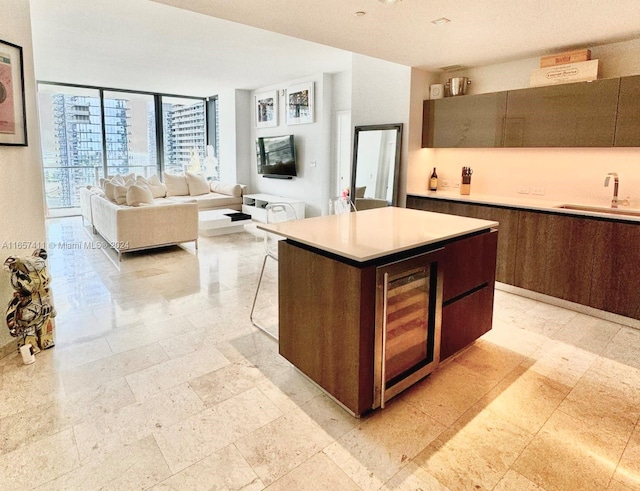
581,114
464,121
569,115
628,124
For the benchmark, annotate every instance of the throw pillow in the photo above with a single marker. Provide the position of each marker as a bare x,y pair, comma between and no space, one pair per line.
118,179
176,185
197,184
139,195
234,190
158,190
109,190
120,194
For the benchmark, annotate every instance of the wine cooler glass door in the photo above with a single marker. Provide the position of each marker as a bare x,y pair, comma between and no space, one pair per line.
408,312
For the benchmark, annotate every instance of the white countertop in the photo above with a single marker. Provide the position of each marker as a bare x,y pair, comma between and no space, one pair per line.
371,234
535,204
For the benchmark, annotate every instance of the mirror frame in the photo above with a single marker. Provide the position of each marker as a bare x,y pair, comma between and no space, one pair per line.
396,172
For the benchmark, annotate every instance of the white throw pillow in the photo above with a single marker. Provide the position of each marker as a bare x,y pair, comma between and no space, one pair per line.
234,190
158,190
118,179
109,190
139,195
176,185
197,184
120,194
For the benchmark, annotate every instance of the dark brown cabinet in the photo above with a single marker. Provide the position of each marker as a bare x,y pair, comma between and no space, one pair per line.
469,270
628,122
590,261
465,321
555,255
508,219
465,121
615,284
569,115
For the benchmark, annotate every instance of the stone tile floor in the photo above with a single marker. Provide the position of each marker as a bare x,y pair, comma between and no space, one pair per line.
159,381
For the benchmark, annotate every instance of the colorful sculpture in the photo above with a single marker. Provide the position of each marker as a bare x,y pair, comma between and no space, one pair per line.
30,315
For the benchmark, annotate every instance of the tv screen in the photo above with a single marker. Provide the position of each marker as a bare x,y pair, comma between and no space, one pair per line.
276,156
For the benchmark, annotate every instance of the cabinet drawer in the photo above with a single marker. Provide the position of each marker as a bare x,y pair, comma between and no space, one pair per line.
469,263
466,320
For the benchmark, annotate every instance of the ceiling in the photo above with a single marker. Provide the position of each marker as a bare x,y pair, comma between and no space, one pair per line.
153,45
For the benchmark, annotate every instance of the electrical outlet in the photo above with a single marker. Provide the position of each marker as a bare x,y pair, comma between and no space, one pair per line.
523,190
446,183
537,191
456,184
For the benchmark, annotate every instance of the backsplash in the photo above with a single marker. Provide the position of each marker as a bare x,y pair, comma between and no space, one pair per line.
564,174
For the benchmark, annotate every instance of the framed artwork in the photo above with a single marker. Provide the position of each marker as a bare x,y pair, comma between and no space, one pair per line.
13,120
267,109
300,103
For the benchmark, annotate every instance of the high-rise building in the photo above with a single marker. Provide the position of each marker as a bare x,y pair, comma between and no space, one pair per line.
78,144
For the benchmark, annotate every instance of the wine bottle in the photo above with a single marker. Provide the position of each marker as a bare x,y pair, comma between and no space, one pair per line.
433,180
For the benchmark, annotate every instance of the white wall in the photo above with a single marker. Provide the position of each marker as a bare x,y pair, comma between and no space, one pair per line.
234,114
341,102
313,144
565,174
21,199
381,94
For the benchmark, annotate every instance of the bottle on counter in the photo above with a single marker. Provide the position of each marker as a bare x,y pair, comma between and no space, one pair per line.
433,180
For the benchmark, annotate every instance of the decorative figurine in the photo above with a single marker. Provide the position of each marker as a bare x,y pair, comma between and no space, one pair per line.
30,313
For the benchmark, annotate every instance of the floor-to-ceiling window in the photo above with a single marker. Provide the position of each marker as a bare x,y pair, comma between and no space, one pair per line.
71,136
184,131
130,133
90,132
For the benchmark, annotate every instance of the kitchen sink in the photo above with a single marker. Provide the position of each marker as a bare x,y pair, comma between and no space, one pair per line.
601,209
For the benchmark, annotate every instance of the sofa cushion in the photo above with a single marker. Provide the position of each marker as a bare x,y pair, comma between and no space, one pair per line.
234,190
197,184
176,184
109,190
139,195
360,190
158,189
120,194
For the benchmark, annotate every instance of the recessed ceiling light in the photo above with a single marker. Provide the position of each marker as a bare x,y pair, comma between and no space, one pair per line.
440,21
390,2
360,13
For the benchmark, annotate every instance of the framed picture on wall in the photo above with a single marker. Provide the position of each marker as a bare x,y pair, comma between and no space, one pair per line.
267,109
13,118
299,100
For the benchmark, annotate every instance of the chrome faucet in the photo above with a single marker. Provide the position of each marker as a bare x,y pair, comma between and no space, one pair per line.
615,201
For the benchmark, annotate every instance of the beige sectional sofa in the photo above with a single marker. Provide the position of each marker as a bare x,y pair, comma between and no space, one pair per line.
152,214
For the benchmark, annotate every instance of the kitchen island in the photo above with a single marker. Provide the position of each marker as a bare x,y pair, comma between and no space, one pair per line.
370,302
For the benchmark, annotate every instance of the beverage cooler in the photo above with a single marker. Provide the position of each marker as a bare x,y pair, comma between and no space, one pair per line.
408,321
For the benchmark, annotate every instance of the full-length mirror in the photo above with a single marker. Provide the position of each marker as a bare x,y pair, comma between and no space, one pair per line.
376,165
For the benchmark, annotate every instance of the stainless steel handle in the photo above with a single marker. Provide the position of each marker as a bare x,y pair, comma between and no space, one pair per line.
383,358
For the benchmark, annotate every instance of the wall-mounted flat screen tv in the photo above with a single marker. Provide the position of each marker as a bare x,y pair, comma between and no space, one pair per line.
276,156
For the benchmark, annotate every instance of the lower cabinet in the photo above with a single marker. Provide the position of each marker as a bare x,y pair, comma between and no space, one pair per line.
615,279
590,261
466,320
555,255
508,219
469,271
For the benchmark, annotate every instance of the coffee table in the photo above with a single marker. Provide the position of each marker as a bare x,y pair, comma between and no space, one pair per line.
217,222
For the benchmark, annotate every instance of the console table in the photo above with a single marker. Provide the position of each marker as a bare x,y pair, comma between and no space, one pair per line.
255,204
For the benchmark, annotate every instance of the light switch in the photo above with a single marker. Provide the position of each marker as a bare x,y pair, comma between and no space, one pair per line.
312,163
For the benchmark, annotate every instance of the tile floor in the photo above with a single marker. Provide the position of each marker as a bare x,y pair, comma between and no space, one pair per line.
159,381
